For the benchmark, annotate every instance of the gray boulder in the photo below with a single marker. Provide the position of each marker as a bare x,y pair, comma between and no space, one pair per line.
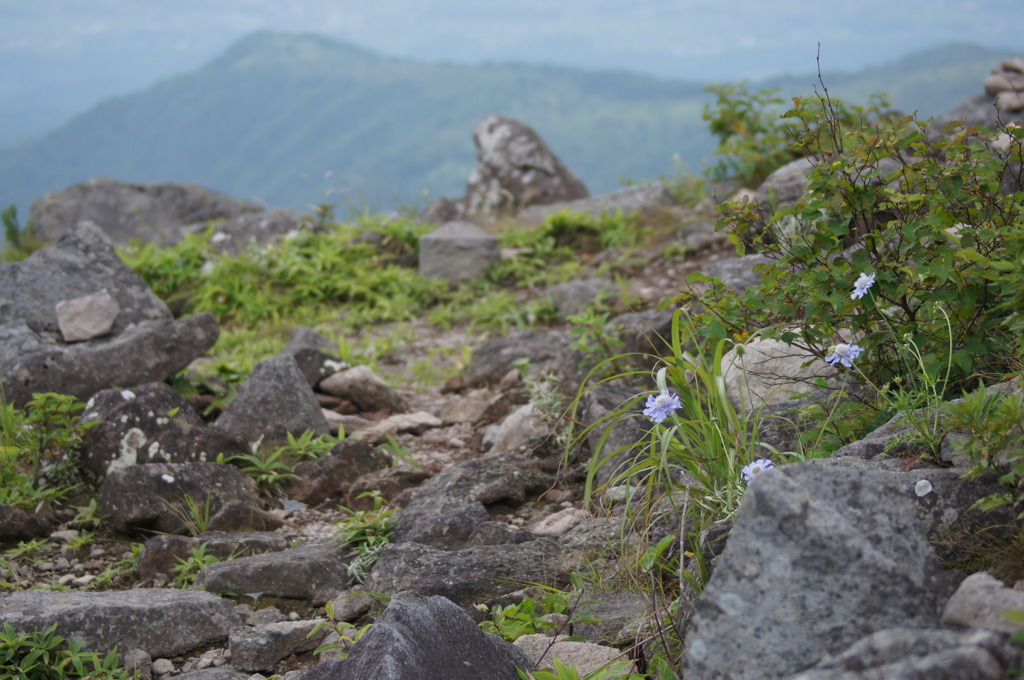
151,351
785,186
738,272
458,251
982,601
915,654
260,648
425,638
447,510
149,423
573,297
154,497
525,428
586,657
332,476
818,558
18,525
161,554
313,573
274,401
146,344
496,357
365,389
82,262
159,213
515,169
160,621
473,575
235,233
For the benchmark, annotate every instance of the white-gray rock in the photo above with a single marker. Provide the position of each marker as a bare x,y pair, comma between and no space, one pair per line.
87,317
585,656
982,601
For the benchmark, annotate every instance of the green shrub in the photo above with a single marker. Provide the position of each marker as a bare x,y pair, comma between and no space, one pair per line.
754,138
926,217
39,449
48,656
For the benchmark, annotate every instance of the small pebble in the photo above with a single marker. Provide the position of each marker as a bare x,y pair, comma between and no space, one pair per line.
66,579
162,667
83,580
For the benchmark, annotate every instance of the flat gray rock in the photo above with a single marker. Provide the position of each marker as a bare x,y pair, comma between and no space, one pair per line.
162,622
310,573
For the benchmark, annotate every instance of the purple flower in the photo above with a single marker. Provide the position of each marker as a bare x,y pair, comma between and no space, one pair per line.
754,469
861,285
661,406
844,354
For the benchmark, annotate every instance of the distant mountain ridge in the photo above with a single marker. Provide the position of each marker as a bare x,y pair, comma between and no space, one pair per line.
299,120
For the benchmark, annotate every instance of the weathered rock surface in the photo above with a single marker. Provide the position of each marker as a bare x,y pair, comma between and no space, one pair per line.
153,497
598,403
160,621
494,358
615,610
738,272
763,371
147,212
982,601
427,638
260,648
524,427
818,558
365,389
515,169
471,575
920,654
587,657
313,573
149,423
332,476
145,343
82,262
150,351
416,422
161,554
275,400
785,186
235,233
18,525
447,509
573,297
458,251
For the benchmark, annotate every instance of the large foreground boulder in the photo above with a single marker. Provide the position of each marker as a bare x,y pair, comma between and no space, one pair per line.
818,558
426,638
144,344
515,169
83,261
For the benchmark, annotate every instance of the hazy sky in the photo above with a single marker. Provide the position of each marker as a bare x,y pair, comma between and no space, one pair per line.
58,56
